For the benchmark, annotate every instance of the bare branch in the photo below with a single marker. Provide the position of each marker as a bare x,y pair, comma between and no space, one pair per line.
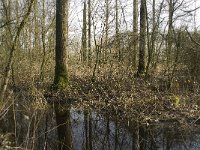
192,39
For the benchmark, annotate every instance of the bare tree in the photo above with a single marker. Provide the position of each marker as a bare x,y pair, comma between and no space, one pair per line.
135,32
12,50
89,33
117,30
142,41
106,27
84,34
170,30
151,42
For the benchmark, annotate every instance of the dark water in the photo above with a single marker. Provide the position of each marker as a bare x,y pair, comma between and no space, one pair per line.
86,130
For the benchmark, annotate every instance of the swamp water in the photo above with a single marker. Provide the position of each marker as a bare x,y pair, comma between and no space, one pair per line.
86,130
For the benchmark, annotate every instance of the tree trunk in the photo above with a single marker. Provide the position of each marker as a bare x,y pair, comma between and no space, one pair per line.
169,36
106,30
135,32
84,35
142,44
89,33
36,29
43,42
151,42
61,76
117,31
12,50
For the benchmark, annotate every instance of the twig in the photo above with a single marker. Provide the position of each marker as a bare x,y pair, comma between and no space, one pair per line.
192,39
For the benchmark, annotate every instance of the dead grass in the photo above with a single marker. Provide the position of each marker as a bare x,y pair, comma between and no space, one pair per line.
114,90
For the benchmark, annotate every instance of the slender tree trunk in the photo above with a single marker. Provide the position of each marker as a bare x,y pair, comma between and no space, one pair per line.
89,34
135,32
106,29
84,34
12,50
36,29
43,42
195,15
153,38
117,30
157,25
142,44
170,30
151,42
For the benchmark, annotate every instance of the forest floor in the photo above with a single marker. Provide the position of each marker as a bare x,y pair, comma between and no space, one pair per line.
118,92
115,91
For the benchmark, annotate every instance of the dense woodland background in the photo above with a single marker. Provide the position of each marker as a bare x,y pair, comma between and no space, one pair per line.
75,43
130,58
118,40
153,38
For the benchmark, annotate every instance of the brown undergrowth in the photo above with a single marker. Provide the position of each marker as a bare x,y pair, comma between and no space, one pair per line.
117,91
114,92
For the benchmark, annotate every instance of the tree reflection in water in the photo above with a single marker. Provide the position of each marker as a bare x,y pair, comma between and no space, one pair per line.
63,127
66,128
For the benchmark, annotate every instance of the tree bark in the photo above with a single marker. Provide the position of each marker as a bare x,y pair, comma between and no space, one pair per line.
170,30
135,32
84,34
61,76
117,31
142,44
89,34
151,42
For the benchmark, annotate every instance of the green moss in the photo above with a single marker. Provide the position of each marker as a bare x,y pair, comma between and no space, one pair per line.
175,100
61,78
61,82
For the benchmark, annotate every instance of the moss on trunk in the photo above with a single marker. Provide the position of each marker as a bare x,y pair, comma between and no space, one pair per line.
61,77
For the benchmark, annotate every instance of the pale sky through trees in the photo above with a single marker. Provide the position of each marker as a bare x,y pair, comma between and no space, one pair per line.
125,17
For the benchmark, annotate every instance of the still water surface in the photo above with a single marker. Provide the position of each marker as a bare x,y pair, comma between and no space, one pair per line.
85,130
